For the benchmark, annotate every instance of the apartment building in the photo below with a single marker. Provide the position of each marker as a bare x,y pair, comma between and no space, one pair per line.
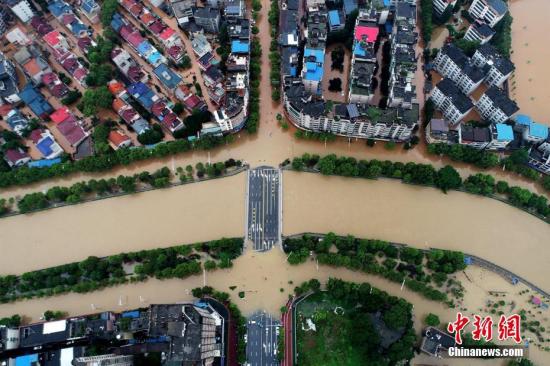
22,9
490,11
495,106
441,5
480,32
498,68
451,101
452,63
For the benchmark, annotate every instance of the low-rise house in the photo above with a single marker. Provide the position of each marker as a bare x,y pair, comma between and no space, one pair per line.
234,10
17,121
312,72
434,341
499,68
502,135
200,45
535,133
117,139
18,36
16,157
69,126
167,77
91,10
451,101
480,32
45,143
32,63
56,87
35,101
41,25
288,32
64,13
495,106
336,20
490,11
128,66
208,19
475,137
183,10
438,131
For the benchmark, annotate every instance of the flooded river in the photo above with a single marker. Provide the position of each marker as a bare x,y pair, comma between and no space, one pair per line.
529,84
423,217
184,214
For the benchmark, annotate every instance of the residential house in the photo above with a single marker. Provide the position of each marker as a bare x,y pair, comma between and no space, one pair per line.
32,63
117,139
16,157
451,101
313,69
200,45
480,32
8,82
438,131
41,25
36,101
56,87
128,66
475,137
169,79
434,341
499,67
495,106
21,8
17,121
502,135
535,133
490,11
64,13
45,143
18,36
183,10
91,10
336,20
208,19
69,126
234,9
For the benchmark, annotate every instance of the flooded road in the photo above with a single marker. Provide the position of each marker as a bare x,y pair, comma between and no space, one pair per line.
183,214
422,217
529,83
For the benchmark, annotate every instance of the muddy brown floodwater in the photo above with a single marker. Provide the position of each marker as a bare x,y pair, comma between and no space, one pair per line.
184,214
529,83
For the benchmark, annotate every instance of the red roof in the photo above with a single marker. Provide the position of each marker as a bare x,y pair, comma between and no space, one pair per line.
135,39
80,73
167,33
14,155
136,9
116,87
59,90
68,19
192,101
118,104
70,63
117,138
158,107
60,115
52,38
125,31
157,27
36,135
72,131
135,73
49,78
128,115
366,33
147,18
128,3
175,51
84,42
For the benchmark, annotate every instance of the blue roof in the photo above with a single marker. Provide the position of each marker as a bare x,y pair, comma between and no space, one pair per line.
144,47
44,163
131,314
293,71
58,8
334,17
389,27
88,5
349,6
314,69
498,5
45,146
142,93
523,119
358,50
504,132
239,46
26,360
117,22
36,102
77,27
167,76
154,57
538,130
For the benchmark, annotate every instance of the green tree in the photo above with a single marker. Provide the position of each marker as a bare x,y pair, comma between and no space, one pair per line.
448,178
95,99
432,320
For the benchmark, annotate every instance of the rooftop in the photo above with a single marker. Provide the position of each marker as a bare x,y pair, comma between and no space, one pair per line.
501,100
505,132
450,90
167,76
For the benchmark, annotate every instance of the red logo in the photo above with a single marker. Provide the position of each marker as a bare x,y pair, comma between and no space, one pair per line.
457,326
508,327
483,328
